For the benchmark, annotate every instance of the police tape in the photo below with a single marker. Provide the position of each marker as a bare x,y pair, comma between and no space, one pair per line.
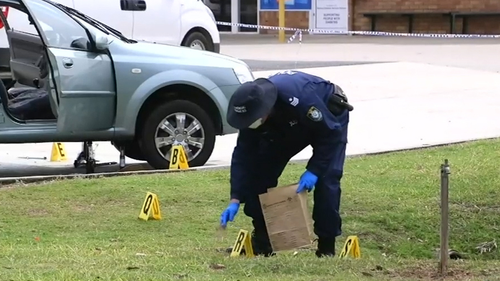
298,32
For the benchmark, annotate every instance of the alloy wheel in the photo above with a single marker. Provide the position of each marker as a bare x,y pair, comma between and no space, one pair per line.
180,129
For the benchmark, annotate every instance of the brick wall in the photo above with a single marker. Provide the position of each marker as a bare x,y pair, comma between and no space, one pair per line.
422,23
293,19
427,24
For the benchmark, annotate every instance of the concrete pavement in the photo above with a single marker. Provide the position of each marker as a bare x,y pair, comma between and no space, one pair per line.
435,94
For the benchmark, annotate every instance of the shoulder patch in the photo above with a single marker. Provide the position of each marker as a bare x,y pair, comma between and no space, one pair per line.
294,101
314,114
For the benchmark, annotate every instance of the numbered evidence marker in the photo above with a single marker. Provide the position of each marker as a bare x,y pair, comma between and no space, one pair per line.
58,152
242,242
178,159
150,208
351,247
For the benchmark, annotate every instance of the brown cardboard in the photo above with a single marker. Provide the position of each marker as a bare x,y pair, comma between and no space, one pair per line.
287,217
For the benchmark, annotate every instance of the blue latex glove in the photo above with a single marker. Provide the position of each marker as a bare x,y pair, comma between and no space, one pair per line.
307,181
229,213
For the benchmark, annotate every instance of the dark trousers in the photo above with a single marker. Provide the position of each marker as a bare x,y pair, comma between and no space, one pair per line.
327,192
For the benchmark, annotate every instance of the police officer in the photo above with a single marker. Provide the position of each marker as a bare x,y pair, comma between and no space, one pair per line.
278,117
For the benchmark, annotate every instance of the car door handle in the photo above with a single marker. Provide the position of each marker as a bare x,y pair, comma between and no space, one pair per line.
67,63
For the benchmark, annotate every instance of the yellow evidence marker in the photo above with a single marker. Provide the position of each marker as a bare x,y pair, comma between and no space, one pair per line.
351,247
58,152
150,207
242,242
178,159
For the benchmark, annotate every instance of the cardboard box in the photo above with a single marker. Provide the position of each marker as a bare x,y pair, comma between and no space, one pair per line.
288,220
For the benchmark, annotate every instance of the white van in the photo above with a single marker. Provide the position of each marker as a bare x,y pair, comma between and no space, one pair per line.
187,23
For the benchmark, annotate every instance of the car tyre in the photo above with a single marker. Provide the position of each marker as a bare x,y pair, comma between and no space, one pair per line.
171,110
197,40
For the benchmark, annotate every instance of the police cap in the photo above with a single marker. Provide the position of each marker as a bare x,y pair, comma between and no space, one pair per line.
251,101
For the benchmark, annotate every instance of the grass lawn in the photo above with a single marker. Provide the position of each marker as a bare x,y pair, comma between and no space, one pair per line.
89,230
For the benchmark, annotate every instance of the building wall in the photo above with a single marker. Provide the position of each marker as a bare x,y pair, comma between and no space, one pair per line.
427,24
422,23
293,19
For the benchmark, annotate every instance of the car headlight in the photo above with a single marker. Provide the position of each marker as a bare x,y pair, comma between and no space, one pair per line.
243,74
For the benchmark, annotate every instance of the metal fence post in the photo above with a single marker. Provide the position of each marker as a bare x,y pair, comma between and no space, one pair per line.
444,255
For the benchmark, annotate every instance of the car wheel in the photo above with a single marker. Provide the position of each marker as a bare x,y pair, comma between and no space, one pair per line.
198,41
132,149
177,122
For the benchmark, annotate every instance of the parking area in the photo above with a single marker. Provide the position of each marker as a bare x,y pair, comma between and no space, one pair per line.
407,92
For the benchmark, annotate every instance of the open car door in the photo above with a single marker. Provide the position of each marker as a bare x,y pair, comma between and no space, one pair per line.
82,81
25,47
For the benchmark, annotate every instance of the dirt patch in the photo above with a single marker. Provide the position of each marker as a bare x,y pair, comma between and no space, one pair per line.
82,208
37,212
429,271
475,208
432,274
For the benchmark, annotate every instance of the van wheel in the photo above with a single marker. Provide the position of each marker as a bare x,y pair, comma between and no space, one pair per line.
178,122
132,149
197,40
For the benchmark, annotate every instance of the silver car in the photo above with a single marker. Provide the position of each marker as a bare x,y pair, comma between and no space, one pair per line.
79,80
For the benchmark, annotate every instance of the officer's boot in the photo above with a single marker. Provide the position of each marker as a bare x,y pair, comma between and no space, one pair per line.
261,245
326,247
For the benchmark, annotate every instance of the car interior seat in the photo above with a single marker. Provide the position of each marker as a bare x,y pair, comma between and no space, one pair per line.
33,102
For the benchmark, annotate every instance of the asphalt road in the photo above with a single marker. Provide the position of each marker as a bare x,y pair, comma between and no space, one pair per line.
477,54
258,39
261,65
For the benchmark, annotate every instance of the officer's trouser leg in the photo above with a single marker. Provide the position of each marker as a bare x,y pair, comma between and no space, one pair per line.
270,171
274,160
327,220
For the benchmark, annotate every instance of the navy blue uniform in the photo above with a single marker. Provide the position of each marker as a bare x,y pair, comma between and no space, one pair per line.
300,118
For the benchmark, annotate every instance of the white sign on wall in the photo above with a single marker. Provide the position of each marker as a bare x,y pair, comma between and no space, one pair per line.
332,15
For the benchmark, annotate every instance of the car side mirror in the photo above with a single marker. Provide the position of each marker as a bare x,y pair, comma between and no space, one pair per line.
133,5
101,42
